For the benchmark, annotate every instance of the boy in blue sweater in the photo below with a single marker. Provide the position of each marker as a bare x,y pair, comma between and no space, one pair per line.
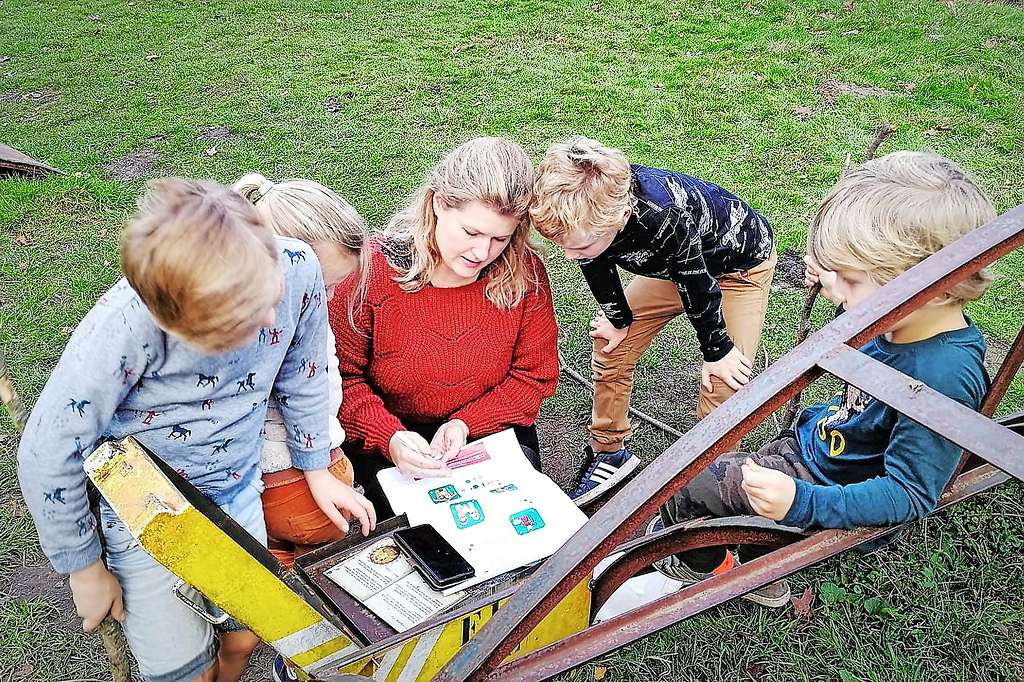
173,355
854,461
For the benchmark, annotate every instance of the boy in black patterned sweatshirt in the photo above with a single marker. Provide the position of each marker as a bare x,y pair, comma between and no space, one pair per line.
695,247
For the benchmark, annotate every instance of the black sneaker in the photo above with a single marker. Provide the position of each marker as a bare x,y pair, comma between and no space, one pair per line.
602,471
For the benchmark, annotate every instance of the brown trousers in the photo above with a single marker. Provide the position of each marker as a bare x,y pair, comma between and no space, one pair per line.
655,302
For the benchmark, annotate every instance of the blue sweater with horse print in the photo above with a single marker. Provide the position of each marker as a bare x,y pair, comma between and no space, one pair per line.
121,375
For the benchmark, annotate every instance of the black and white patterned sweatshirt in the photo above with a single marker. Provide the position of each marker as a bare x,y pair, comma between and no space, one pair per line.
689,231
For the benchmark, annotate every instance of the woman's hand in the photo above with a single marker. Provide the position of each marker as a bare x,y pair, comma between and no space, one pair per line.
449,439
413,456
96,593
340,502
601,328
734,369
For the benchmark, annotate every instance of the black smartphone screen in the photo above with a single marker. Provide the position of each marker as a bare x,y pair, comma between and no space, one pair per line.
441,564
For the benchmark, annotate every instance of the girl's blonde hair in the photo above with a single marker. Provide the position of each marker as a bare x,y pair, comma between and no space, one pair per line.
202,260
582,187
306,210
889,214
492,170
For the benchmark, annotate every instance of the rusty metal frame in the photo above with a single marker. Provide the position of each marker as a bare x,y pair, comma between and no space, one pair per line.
830,349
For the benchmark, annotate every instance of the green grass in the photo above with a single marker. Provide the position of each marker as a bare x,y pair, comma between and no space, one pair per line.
365,96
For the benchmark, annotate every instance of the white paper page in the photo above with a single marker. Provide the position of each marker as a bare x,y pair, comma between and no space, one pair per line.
371,570
499,514
409,602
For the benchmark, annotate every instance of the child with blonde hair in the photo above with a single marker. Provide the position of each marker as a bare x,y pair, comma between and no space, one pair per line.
456,338
296,518
171,356
695,248
854,461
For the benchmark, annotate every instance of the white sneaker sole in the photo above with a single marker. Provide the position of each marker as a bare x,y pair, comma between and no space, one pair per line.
623,471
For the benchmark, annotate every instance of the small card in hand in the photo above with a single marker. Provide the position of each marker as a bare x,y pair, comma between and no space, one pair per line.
471,454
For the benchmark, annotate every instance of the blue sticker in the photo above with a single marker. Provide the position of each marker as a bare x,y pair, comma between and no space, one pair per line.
526,521
467,513
445,493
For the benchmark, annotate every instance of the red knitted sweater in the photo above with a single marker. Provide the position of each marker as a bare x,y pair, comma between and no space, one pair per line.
439,354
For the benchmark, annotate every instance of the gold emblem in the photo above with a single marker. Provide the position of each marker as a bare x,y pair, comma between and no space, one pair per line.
384,555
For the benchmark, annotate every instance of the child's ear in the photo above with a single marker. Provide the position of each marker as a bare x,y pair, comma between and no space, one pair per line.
625,215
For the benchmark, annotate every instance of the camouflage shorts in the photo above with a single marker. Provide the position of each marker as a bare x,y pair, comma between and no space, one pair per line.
716,491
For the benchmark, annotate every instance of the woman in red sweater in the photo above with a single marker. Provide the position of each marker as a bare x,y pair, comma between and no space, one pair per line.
456,338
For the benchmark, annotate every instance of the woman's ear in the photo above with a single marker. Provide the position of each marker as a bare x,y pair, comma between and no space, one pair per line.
436,203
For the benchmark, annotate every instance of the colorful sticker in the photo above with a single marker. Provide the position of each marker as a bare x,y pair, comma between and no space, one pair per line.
526,521
445,493
467,513
509,487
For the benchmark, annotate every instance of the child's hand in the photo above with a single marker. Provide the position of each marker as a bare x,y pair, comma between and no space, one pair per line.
770,492
96,593
450,437
339,502
816,274
601,328
734,369
413,456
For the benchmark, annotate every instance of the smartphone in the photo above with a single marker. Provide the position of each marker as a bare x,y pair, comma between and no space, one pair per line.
441,564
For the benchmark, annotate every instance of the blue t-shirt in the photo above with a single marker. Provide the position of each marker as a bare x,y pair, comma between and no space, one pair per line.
875,466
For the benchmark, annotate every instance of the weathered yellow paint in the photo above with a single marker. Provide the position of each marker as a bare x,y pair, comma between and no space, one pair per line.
193,548
571,615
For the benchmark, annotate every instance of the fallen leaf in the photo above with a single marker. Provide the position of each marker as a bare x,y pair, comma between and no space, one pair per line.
803,113
94,17
749,7
211,151
22,239
848,6
152,57
596,7
756,671
802,605
990,43
599,672
909,86
941,128
24,670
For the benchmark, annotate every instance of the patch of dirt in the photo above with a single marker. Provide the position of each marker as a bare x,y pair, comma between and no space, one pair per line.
38,98
831,89
39,581
561,437
217,133
133,165
790,270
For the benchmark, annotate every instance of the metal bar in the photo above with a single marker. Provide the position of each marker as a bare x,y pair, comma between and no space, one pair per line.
669,610
638,499
960,424
1004,376
642,553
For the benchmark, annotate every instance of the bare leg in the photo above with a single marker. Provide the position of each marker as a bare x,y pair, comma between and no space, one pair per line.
233,656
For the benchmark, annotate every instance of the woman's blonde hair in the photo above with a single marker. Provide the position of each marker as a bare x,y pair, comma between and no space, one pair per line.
306,210
582,187
889,214
492,170
202,260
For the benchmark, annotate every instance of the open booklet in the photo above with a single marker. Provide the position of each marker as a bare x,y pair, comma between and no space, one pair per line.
384,580
496,509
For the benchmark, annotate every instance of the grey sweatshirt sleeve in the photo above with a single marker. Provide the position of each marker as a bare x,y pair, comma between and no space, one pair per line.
301,385
100,365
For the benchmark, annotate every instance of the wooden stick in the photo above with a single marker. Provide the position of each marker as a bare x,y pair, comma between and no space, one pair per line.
110,630
582,380
804,326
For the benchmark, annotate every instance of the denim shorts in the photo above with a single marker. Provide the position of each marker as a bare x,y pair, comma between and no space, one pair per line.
170,641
